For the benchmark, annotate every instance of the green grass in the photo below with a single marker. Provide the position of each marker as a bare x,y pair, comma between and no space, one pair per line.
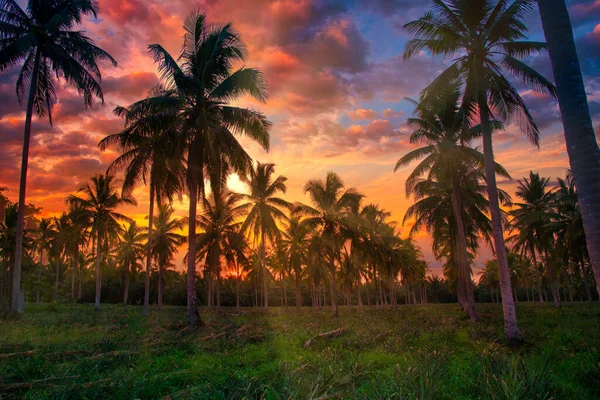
414,352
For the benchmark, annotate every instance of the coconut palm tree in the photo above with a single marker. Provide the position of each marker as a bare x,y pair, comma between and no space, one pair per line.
220,236
582,147
484,37
332,217
198,89
295,241
76,238
440,124
149,130
166,242
130,251
264,211
43,238
43,38
100,201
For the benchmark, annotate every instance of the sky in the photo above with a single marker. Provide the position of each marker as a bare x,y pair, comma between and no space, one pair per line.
337,85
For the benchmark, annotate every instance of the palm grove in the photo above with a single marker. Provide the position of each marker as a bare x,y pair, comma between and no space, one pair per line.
252,248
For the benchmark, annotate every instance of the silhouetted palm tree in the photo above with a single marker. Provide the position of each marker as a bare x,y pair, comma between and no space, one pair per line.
484,35
197,91
100,202
130,251
44,39
264,211
582,147
43,237
295,241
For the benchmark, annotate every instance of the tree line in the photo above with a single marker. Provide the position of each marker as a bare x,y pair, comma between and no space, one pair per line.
190,113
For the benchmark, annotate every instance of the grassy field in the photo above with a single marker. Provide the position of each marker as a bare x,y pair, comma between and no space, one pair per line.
414,352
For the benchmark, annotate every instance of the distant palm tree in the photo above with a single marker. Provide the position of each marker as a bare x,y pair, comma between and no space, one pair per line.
149,130
43,237
130,251
264,211
77,237
484,36
166,242
44,39
295,241
582,147
333,205
197,91
100,202
220,236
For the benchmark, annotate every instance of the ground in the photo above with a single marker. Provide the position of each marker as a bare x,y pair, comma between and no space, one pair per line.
413,352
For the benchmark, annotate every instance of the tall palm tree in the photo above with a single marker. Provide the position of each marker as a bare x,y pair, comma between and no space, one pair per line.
484,37
265,210
531,217
220,236
440,124
77,237
295,241
130,250
332,216
166,242
197,92
582,147
43,38
149,130
100,202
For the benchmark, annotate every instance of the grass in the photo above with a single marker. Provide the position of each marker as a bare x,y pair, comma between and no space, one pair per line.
414,352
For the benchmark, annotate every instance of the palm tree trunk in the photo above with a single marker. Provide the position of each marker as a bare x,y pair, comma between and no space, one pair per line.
73,268
265,278
149,249
218,283
16,305
56,278
582,147
586,284
464,273
359,294
555,291
237,291
537,274
39,277
126,288
98,273
298,297
192,308
334,294
512,332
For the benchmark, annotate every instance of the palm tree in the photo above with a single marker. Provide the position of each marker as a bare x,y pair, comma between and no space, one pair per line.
44,234
332,215
197,91
148,132
166,242
100,202
531,217
484,36
44,39
265,210
440,123
584,154
220,238
130,250
77,237
295,241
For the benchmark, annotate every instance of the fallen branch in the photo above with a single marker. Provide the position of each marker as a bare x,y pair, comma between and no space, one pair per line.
330,334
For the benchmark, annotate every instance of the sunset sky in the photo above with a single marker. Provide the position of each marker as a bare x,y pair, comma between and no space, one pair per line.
336,81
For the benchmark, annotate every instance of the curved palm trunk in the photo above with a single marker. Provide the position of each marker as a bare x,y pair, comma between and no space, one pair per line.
149,250
512,332
98,274
463,258
264,270
584,154
192,307
16,305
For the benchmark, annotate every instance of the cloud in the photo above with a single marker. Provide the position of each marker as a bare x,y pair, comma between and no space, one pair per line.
362,114
133,85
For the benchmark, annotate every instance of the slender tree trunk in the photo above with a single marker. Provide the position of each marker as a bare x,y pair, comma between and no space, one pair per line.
192,307
555,292
39,277
73,268
537,274
16,305
56,277
512,332
298,294
582,147
237,286
218,283
334,294
586,284
126,288
265,278
149,249
98,273
464,270
359,293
